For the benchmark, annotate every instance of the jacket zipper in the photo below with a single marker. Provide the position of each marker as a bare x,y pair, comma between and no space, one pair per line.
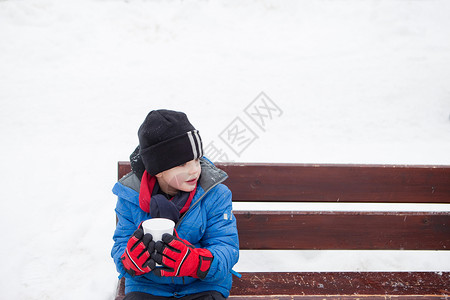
198,200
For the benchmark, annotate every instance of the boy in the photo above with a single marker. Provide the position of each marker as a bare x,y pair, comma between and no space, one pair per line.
171,179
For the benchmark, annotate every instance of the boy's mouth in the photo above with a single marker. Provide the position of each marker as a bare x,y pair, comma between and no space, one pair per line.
192,181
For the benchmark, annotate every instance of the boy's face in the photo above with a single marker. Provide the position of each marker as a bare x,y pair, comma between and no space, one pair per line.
181,178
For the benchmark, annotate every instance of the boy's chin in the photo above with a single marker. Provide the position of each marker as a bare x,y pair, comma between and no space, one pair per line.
187,189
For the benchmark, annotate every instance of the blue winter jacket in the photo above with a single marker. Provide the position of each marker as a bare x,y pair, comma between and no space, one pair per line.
209,223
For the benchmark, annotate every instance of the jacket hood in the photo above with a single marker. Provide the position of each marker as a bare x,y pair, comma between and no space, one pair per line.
137,165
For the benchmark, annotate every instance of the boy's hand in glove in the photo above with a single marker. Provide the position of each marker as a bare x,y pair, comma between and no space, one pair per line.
180,258
137,256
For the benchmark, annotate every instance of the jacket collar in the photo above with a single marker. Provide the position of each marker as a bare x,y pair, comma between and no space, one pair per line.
211,175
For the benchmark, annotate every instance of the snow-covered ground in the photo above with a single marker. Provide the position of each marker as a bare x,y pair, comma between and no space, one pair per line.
355,81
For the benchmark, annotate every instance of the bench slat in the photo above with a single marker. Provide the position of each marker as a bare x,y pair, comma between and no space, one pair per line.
338,297
342,283
343,230
334,183
123,168
338,183
335,285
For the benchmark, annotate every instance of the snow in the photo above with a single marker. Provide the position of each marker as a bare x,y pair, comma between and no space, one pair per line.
357,81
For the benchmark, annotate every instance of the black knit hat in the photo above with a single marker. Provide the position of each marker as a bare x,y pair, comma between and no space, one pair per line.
167,139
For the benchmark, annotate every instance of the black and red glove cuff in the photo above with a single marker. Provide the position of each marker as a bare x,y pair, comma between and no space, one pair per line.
205,261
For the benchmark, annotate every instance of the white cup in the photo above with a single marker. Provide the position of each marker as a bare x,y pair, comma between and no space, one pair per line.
157,227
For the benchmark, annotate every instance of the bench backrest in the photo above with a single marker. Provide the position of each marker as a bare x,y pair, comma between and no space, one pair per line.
340,230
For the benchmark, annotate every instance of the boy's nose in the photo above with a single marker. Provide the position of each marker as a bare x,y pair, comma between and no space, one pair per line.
193,166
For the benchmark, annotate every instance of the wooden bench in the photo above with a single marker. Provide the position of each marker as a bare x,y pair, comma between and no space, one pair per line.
338,230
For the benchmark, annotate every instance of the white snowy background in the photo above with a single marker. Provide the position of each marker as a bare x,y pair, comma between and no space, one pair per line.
358,81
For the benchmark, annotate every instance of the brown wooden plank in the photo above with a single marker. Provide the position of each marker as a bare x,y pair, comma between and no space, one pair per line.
123,168
338,183
120,290
360,284
343,230
335,183
335,285
338,297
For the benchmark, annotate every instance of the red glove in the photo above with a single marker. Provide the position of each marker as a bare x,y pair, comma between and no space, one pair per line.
180,258
137,256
